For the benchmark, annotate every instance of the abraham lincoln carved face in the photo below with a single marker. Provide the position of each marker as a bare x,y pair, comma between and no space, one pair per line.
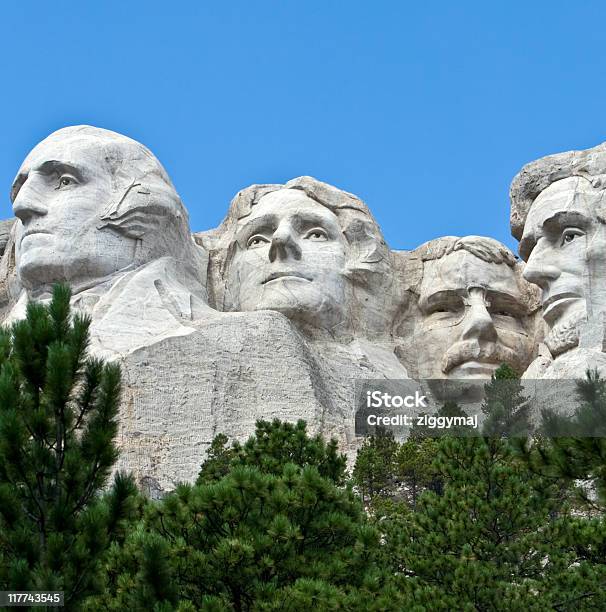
564,244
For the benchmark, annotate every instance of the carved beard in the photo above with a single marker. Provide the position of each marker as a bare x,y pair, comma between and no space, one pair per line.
565,336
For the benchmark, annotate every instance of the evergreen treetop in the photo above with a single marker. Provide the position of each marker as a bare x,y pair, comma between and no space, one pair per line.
58,420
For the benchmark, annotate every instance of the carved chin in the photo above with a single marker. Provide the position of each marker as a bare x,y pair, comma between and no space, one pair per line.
35,271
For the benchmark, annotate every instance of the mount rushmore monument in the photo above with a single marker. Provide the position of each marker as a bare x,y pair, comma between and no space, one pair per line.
296,295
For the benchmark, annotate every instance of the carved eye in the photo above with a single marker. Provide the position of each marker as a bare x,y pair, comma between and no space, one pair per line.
569,234
442,309
65,181
256,241
316,234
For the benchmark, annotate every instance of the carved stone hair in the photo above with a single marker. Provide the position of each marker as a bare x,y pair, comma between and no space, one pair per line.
486,249
536,176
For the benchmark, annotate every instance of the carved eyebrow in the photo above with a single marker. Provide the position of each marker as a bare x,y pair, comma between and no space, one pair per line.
305,220
313,218
497,299
553,225
565,218
57,167
256,225
17,184
527,243
426,302
47,168
501,299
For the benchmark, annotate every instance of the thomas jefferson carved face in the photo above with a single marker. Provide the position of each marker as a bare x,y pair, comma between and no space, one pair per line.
564,245
290,256
471,318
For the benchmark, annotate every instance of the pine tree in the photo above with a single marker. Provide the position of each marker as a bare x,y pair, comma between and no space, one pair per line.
414,459
580,457
579,461
486,542
58,412
414,469
450,408
265,536
374,472
505,406
273,445
220,458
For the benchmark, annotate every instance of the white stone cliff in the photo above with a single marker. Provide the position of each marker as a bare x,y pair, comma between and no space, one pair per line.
295,296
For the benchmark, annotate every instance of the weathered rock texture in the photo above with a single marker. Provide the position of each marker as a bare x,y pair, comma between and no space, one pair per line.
293,298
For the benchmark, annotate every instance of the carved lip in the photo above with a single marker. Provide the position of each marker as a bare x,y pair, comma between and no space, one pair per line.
275,275
35,231
474,367
556,302
32,232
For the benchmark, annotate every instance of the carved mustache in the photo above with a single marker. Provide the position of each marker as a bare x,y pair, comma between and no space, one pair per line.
471,350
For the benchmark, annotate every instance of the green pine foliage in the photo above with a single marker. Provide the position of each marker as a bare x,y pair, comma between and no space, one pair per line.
450,408
485,542
374,472
579,462
273,445
269,534
505,406
578,459
58,419
415,470
386,470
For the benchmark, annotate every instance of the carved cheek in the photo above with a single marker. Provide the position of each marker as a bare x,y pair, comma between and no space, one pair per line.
593,246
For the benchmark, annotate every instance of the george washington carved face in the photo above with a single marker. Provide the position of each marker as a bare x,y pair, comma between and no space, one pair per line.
91,203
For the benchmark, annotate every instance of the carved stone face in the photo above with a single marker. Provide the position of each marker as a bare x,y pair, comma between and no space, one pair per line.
564,246
471,318
59,204
290,256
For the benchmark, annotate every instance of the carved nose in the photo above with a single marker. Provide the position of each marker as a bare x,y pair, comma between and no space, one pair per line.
25,207
537,271
284,245
478,324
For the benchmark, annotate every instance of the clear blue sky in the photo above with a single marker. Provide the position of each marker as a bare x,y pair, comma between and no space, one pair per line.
426,110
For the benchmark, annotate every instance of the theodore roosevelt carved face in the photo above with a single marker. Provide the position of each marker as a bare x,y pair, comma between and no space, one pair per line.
472,315
91,203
